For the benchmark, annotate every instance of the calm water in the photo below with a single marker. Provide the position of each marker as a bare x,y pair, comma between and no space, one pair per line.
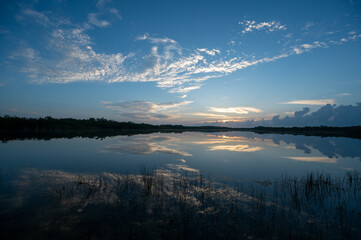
53,189
231,156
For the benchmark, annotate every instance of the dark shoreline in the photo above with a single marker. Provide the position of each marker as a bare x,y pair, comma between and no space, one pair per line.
322,131
14,128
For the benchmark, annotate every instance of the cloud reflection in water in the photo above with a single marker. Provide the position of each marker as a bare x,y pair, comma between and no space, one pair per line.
314,159
141,145
235,148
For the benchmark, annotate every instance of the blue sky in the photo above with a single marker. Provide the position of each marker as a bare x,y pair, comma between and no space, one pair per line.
183,62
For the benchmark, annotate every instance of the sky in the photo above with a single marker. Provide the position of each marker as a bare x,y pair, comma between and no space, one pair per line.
229,63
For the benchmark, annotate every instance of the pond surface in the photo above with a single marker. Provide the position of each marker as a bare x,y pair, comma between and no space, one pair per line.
231,156
34,172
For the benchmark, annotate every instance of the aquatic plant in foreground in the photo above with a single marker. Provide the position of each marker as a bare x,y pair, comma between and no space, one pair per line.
186,205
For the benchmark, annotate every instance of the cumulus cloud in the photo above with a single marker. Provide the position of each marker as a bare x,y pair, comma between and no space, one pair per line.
328,115
250,26
312,102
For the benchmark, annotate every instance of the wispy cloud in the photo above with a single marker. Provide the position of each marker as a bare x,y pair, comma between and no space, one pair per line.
154,39
167,63
314,159
142,148
211,115
236,110
185,89
312,102
344,94
116,13
228,114
211,52
250,26
235,148
289,113
182,167
72,57
145,110
93,19
46,19
39,17
145,106
26,53
216,119
307,47
343,40
102,3
309,25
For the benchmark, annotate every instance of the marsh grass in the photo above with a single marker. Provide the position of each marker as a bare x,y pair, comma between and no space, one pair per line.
167,204
171,205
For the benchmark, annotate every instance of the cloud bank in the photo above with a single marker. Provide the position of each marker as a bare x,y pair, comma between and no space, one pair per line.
328,115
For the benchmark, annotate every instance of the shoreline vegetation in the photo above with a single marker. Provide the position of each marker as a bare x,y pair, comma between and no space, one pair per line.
16,128
161,204
171,203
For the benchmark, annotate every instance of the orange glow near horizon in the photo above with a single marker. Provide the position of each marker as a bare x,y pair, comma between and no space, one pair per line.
314,159
235,148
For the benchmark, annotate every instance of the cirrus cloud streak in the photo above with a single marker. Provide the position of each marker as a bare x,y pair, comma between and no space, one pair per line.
144,110
236,110
73,58
311,102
